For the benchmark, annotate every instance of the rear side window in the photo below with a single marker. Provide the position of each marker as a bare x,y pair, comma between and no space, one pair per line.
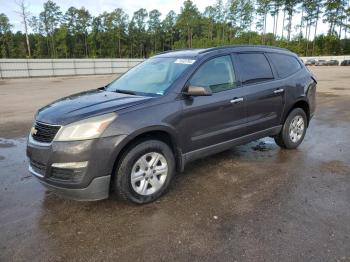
285,65
217,74
254,68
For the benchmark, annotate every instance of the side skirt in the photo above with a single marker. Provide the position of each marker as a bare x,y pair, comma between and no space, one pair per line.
213,149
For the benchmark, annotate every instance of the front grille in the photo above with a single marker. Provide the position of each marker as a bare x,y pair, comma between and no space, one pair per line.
38,167
44,133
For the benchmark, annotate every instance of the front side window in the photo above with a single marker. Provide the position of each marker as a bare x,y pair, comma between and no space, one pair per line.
152,77
217,74
254,68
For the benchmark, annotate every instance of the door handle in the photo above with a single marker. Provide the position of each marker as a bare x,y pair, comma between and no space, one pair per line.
236,100
277,91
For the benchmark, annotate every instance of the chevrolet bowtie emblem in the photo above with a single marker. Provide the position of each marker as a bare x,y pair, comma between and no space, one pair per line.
33,131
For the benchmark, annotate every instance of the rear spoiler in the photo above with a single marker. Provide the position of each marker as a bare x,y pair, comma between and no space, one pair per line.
313,78
311,74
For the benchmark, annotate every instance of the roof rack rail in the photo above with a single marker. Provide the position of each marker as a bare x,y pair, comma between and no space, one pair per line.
174,50
237,46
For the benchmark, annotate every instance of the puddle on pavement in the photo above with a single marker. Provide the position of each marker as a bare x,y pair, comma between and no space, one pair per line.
12,155
264,145
335,167
5,143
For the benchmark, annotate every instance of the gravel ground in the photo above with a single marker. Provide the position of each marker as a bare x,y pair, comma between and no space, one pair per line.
254,202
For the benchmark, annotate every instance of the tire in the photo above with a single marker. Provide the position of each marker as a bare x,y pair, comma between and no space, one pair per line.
153,181
291,140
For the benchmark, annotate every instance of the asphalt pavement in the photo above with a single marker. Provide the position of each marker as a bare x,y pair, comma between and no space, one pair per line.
255,202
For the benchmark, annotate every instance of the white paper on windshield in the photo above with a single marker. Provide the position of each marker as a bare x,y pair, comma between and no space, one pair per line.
184,61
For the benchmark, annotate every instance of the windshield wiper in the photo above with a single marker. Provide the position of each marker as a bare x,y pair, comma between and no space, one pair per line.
125,92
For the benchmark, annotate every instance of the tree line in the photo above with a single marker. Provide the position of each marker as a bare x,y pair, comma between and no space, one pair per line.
77,34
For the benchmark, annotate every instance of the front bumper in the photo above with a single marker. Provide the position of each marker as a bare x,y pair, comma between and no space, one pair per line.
97,190
80,170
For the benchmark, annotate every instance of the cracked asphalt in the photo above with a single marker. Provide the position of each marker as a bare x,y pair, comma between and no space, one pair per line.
254,202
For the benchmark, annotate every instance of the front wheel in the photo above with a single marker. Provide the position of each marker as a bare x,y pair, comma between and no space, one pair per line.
145,172
293,131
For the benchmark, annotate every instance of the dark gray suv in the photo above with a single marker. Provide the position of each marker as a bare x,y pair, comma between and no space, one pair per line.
131,136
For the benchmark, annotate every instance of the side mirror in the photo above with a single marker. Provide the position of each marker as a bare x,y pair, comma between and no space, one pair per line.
198,91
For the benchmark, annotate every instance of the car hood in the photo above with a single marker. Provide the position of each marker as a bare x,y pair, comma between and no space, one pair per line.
86,104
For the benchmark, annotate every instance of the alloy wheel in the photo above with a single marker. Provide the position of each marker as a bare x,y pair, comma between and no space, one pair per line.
149,173
296,128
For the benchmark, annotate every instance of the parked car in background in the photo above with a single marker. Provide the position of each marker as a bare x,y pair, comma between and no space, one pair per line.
321,63
345,63
134,133
333,62
310,62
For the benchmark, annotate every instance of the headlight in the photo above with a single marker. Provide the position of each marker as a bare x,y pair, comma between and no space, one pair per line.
85,129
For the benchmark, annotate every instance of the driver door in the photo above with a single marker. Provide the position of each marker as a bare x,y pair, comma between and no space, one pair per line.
211,120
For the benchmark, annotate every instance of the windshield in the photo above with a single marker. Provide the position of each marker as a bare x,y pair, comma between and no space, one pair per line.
152,77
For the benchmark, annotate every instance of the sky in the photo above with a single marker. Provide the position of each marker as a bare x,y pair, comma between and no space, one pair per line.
97,7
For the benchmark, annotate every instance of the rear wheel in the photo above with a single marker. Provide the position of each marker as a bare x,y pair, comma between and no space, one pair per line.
293,131
145,172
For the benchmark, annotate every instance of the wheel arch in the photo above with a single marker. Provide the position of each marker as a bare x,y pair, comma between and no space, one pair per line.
162,133
303,104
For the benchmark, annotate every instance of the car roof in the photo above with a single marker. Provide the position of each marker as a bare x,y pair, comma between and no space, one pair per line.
193,52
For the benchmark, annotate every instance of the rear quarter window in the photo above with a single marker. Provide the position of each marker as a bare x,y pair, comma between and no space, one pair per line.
285,65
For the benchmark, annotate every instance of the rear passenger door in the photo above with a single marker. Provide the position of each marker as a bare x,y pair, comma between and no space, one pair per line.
264,96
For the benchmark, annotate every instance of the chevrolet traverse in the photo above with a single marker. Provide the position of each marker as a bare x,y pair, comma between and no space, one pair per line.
131,136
